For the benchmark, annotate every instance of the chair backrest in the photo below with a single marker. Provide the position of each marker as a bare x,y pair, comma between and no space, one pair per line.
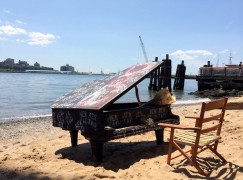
213,119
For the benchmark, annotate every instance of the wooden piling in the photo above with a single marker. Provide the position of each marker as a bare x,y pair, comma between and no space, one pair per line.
166,73
161,78
153,84
180,77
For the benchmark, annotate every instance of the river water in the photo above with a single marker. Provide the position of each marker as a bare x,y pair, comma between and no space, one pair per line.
29,95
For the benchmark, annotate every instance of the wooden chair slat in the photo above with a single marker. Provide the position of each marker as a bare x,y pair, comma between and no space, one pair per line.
217,104
212,118
212,128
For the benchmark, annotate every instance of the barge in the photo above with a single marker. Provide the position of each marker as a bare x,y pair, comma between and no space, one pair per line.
226,77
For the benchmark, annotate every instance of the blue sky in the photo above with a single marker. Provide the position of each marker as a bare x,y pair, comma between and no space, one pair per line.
103,34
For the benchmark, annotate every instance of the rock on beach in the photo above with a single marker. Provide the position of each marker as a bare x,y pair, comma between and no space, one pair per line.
216,93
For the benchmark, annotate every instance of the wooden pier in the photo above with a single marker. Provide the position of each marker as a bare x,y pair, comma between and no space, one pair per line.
180,77
227,77
161,78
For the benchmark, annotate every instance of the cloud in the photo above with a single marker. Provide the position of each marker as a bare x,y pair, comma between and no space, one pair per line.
224,51
10,30
31,38
190,54
37,38
20,22
199,52
20,40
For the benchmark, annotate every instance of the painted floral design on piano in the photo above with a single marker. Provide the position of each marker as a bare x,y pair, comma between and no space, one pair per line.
68,119
60,118
87,120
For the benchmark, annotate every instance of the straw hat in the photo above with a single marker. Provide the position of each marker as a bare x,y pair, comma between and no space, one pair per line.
163,97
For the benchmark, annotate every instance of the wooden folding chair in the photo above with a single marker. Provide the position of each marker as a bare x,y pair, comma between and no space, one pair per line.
205,134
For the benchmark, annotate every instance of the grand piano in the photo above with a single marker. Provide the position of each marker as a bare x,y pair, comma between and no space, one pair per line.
93,110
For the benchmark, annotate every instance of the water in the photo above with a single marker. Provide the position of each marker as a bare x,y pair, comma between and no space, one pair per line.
29,95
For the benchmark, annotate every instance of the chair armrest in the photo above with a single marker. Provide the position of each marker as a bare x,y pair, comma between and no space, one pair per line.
174,126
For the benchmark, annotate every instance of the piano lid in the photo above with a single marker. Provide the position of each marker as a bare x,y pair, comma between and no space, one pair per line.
100,93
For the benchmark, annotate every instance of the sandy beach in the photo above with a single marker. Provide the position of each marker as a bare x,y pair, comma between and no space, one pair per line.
34,149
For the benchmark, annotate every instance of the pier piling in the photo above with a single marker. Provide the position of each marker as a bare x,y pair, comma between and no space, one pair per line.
161,78
180,77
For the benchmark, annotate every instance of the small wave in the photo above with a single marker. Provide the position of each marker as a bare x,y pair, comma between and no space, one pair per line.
190,101
7,119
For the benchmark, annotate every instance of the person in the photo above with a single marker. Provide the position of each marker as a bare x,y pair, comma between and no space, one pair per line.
240,64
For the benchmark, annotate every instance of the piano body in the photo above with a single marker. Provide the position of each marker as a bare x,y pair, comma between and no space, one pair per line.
91,110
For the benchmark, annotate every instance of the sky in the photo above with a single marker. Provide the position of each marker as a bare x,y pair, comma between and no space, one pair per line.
91,35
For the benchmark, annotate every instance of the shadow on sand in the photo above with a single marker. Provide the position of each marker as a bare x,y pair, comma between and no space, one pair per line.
121,155
218,169
12,174
116,155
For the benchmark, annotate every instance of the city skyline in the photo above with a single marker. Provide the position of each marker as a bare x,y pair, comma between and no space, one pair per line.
105,34
9,63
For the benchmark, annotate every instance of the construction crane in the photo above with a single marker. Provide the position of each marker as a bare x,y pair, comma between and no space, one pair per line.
217,64
143,48
230,58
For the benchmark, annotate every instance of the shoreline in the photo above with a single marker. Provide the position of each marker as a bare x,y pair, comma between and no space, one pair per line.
84,73
23,118
34,149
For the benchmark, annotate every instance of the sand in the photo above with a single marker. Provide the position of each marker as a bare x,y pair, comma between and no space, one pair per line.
33,149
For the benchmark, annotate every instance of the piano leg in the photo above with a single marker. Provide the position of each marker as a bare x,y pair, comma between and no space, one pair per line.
159,136
74,137
97,150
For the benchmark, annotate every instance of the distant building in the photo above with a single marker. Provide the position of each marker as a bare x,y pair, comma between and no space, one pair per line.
67,68
9,62
23,63
101,71
37,65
